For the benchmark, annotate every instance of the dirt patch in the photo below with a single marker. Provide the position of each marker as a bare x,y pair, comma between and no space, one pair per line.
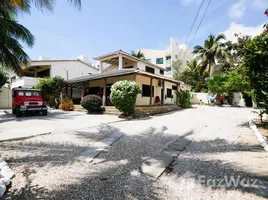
263,127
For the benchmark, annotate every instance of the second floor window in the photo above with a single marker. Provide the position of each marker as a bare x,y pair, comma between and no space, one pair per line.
162,71
159,60
148,59
149,69
169,69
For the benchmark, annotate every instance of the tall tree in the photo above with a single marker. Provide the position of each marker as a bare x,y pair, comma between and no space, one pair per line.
139,55
214,49
12,54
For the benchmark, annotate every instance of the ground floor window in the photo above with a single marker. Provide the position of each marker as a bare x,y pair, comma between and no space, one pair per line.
169,93
146,91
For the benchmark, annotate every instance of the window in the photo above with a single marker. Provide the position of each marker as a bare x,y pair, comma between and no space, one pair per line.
174,87
169,69
169,93
168,58
149,69
148,60
20,93
176,56
162,71
146,91
159,60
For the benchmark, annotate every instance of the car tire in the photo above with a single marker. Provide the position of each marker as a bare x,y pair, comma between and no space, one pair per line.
44,112
18,113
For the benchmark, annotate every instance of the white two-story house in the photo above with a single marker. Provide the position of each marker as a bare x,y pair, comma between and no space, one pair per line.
155,86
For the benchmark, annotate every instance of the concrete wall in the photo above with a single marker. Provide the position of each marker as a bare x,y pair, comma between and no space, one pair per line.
200,97
75,69
238,100
5,98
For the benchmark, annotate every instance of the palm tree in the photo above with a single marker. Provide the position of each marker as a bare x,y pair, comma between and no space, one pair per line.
213,50
25,5
192,76
139,55
11,33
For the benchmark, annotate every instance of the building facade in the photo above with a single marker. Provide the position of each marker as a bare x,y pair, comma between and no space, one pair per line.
157,89
165,58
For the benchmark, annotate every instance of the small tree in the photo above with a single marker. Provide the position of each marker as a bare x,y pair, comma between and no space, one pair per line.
123,96
184,98
51,86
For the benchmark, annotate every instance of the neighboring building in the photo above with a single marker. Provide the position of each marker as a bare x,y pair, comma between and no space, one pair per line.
165,58
44,67
123,66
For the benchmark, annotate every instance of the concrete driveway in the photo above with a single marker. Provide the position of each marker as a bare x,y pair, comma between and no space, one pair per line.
221,145
56,121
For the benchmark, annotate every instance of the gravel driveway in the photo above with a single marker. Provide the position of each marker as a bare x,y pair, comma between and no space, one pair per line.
45,167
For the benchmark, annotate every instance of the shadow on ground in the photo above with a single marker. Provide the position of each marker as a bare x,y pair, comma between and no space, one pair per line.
122,179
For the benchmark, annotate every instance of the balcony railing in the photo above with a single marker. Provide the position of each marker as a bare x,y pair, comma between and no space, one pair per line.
24,81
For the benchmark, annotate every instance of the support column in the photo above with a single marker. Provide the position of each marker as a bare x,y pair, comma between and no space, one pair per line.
71,96
163,93
101,67
104,93
83,92
151,88
177,99
120,62
66,91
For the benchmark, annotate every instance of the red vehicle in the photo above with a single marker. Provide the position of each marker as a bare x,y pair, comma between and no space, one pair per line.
25,100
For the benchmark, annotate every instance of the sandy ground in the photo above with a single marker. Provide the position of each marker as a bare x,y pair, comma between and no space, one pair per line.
222,146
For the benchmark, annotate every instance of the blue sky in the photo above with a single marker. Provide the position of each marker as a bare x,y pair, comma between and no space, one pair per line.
103,26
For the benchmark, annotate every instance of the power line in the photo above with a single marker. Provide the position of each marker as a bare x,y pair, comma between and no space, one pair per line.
197,28
193,23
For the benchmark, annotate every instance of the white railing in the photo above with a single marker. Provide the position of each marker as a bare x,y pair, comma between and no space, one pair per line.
24,81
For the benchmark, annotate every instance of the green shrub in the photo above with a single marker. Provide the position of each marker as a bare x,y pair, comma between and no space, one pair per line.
123,96
184,98
92,103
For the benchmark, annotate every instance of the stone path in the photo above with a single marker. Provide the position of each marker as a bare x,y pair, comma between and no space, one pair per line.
89,154
156,166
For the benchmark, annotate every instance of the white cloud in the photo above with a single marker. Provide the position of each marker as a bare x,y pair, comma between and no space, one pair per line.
240,28
238,9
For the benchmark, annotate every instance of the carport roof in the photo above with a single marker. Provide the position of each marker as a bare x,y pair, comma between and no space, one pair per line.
83,81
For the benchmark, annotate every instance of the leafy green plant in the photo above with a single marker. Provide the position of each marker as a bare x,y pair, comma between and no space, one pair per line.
255,60
184,98
92,103
3,78
123,96
51,87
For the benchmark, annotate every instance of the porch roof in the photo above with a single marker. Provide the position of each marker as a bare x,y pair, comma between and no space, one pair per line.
112,58
83,81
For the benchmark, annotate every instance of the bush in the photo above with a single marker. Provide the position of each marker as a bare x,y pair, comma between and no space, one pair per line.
184,98
66,104
92,103
123,96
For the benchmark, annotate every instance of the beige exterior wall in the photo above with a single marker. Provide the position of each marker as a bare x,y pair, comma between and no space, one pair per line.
5,98
157,91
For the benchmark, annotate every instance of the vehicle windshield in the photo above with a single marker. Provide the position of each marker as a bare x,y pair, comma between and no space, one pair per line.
29,93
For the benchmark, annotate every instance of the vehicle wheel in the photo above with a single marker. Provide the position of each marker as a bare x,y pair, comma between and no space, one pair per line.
13,111
44,112
18,113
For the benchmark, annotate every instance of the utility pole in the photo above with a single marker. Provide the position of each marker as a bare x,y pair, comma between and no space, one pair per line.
67,75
